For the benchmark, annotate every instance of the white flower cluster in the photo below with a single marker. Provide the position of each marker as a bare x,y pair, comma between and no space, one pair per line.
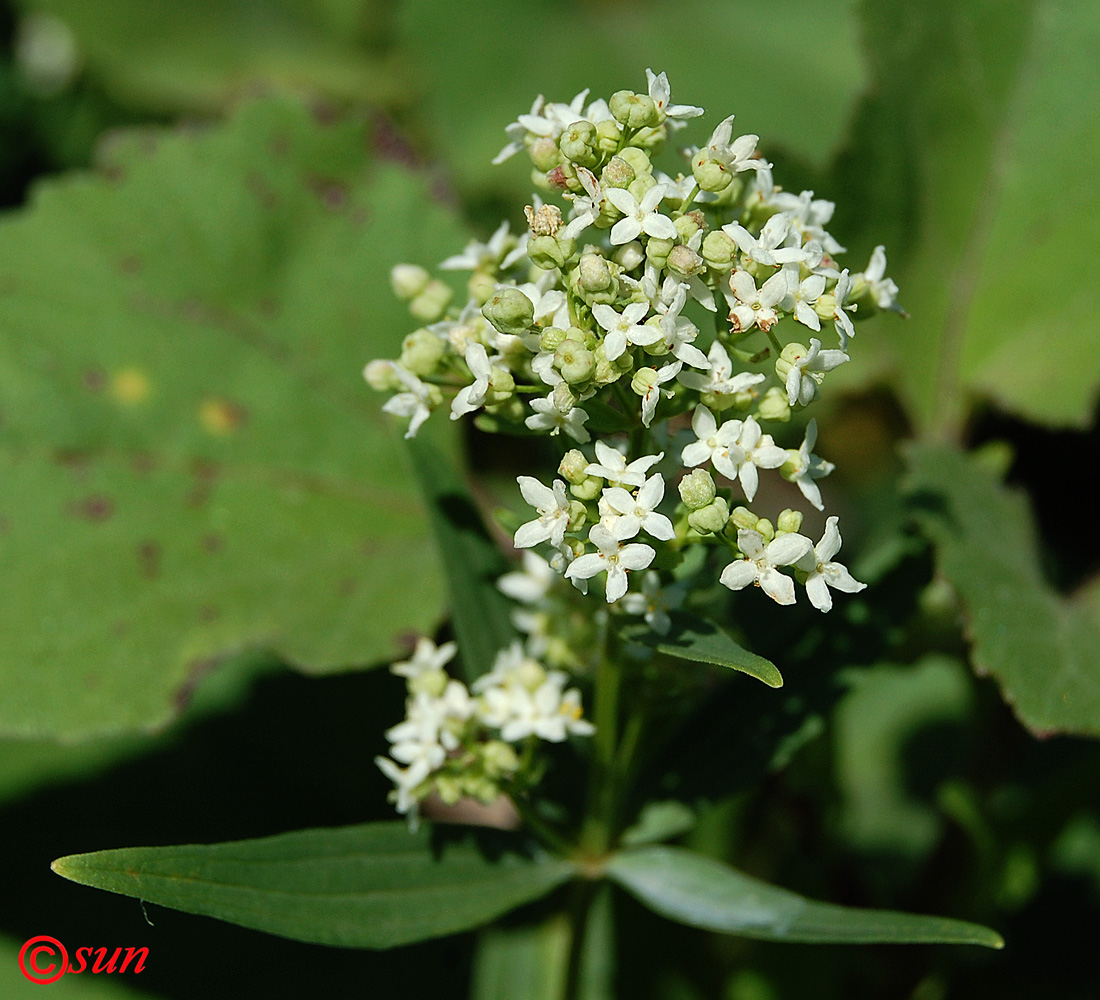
643,301
457,743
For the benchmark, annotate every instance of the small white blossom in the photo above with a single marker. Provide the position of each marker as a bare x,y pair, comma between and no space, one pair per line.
547,417
801,297
715,444
614,557
758,566
553,510
661,93
824,573
736,156
611,465
760,452
586,207
653,394
624,328
883,289
719,379
773,246
532,583
500,252
639,217
843,321
654,602
426,658
808,370
639,513
809,467
751,306
473,396
414,402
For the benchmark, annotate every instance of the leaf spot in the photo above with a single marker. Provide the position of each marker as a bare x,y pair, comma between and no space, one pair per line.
221,416
130,386
149,553
95,508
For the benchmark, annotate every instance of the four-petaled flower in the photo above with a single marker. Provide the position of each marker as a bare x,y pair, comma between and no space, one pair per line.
640,217
614,557
624,328
633,513
752,306
758,566
807,370
553,510
611,464
823,573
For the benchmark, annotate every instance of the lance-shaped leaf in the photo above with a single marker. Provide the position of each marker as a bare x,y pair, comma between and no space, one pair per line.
370,886
971,102
472,561
1042,649
693,638
190,461
699,891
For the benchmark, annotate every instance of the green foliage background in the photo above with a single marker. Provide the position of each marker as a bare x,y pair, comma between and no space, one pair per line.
202,510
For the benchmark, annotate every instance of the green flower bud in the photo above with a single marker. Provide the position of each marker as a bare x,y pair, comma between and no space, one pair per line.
644,380
788,356
618,173
711,518
697,489
544,154
484,789
498,758
650,139
501,385
638,160
641,185
549,252
593,273
633,111
579,143
608,136
564,397
430,682
742,517
430,305
710,175
408,281
789,520
586,337
551,337
510,311
606,372
421,352
449,788
588,489
481,286
719,250
578,515
629,255
572,466
760,272
657,250
575,362
688,225
766,529
380,377
718,401
825,306
684,261
775,405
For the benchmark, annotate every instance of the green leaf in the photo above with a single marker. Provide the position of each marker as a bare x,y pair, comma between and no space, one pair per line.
943,171
190,462
692,638
701,892
1041,648
202,55
481,614
659,821
370,886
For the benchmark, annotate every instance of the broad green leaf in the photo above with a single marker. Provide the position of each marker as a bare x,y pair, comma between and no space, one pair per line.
595,47
972,101
1041,648
190,462
701,892
693,638
15,986
370,886
481,614
202,55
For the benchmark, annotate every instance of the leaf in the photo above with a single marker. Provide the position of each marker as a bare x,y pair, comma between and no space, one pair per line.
202,55
692,638
370,886
481,614
1041,649
701,892
190,462
943,170
659,821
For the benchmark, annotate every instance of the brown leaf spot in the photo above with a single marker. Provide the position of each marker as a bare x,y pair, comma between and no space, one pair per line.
5,525
143,463
346,587
120,628
130,265
75,461
265,194
221,416
212,543
333,194
208,613
148,553
94,508
94,380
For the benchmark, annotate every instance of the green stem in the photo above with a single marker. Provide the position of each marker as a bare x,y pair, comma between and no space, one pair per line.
600,819
542,829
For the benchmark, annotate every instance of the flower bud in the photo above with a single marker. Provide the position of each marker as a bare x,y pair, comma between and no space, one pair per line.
430,305
549,252
421,352
638,160
510,311
530,673
688,224
641,186
380,377
825,306
657,250
697,489
408,281
450,788
501,384
574,361
789,520
742,517
481,286
593,273
606,372
684,262
789,355
572,466
544,154
766,529
608,136
588,489
618,173
775,405
564,397
710,175
430,682
629,255
579,143
578,515
719,251
633,111
498,758
545,221
551,337
644,380
711,518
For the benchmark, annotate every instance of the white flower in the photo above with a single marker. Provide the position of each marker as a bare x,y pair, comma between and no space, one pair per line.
613,557
809,467
531,584
639,217
661,93
547,417
499,252
736,156
801,297
611,465
405,779
824,573
843,321
473,396
653,393
637,513
773,245
719,379
624,328
760,451
553,510
760,562
415,402
755,307
808,214
587,207
680,334
427,657
808,370
654,602
715,444
883,289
